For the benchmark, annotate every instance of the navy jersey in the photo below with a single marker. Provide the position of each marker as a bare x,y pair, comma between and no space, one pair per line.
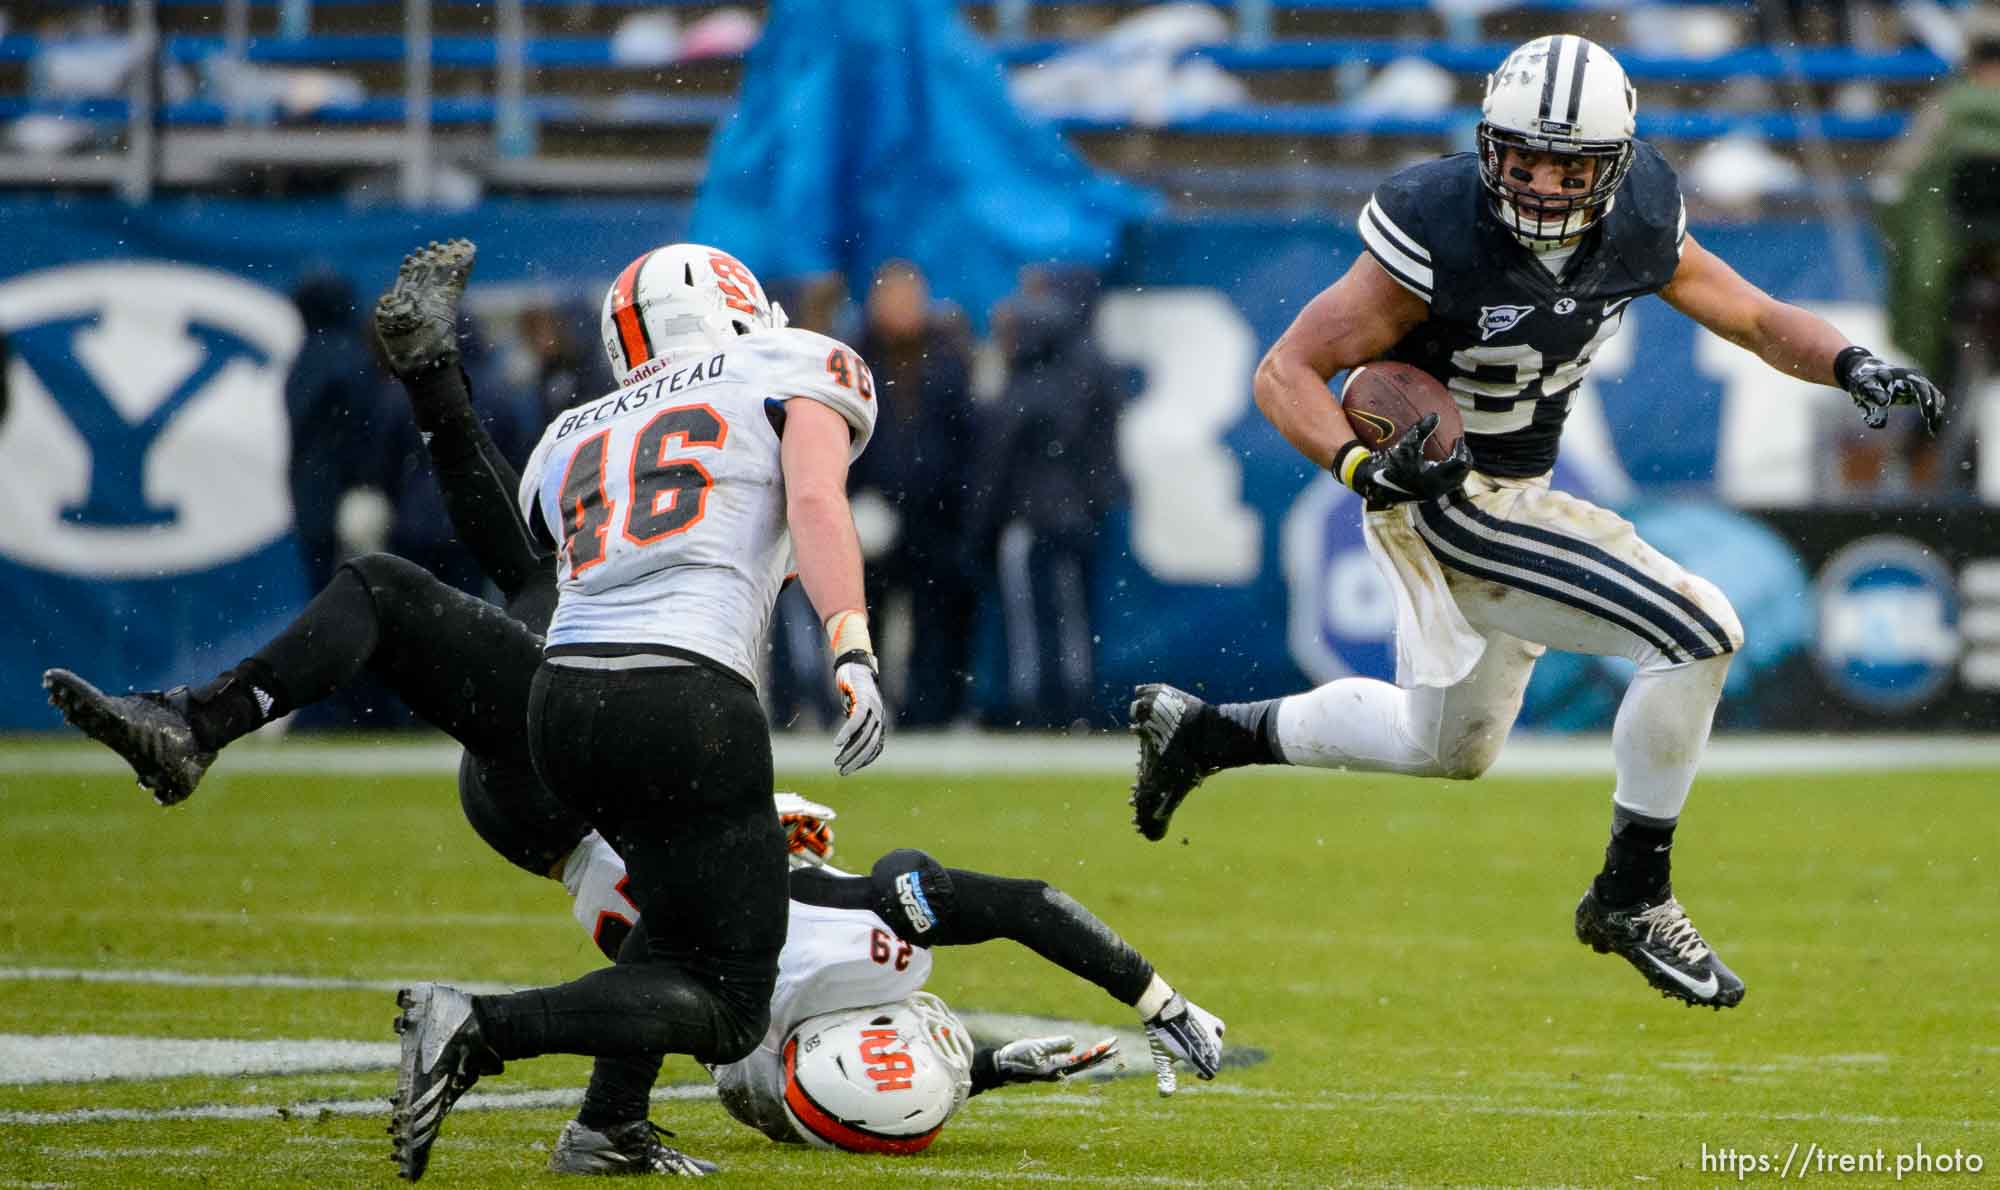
1510,341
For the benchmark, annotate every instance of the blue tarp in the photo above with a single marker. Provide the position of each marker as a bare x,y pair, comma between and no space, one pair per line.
870,131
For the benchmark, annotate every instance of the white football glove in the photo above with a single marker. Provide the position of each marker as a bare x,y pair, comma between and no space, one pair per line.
808,838
1186,1031
859,740
1049,1059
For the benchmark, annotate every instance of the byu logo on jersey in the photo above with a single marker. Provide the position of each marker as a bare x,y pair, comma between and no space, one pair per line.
1494,320
148,433
1566,306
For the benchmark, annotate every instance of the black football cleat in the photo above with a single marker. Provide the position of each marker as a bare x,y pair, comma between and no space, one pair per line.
1168,771
149,729
630,1148
417,320
1658,939
443,1056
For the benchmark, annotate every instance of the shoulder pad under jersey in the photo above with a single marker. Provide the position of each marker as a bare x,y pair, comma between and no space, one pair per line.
802,363
1420,218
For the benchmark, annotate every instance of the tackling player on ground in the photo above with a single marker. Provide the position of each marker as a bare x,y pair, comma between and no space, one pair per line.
467,668
1501,273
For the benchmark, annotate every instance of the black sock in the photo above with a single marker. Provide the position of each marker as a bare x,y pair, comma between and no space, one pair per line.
620,1090
236,703
1636,861
1232,734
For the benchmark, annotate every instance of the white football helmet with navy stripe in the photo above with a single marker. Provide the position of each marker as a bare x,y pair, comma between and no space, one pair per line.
1565,95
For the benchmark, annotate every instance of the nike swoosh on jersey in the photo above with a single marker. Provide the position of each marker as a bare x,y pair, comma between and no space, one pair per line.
1704,988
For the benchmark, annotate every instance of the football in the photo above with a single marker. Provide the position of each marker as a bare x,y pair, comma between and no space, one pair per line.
1383,399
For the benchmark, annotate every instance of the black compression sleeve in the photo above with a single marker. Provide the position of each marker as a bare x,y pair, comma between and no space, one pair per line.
986,1071
969,907
1047,921
816,886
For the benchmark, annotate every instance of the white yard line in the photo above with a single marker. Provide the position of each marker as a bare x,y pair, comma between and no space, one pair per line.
197,979
1102,754
475,1101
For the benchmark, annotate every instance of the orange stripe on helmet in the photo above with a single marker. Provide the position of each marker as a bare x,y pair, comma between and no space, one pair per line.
632,336
839,1132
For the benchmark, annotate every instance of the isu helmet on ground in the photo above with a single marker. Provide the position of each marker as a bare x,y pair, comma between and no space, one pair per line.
1564,95
679,295
877,1080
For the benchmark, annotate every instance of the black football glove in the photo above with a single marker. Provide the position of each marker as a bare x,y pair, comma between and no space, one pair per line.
1875,384
1401,473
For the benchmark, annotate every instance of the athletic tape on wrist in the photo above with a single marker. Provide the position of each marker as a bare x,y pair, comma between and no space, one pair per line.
1154,998
847,632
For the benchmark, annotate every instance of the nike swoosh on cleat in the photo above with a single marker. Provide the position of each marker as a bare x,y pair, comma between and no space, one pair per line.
1705,988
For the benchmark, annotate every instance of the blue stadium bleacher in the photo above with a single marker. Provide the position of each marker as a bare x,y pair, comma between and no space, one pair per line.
1813,64
580,85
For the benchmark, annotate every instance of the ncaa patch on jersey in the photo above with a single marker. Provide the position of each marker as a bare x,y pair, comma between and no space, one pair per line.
1494,320
1888,623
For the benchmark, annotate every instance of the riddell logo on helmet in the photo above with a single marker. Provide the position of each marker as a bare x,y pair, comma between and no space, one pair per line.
890,1069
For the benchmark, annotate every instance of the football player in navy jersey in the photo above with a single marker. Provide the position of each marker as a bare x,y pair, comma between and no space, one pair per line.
1501,273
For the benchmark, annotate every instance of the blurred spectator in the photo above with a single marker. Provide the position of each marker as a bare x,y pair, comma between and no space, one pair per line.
567,362
911,484
1943,240
330,402
421,529
1047,475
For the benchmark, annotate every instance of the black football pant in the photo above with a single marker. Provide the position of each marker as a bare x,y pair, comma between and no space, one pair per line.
458,662
673,765
454,660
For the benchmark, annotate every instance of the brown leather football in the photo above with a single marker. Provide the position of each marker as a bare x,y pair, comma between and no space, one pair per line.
1383,399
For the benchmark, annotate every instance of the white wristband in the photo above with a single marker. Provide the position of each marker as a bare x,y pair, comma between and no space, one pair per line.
1154,998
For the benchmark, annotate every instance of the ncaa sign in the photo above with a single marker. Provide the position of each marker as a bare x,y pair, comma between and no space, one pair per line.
147,434
1888,623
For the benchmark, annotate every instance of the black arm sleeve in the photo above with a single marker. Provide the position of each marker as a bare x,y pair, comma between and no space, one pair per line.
478,483
928,904
985,1071
817,886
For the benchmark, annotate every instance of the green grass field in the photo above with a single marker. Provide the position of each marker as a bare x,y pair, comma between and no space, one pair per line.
1398,950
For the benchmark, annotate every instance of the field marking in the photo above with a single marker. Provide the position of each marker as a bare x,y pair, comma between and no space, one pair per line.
264,916
968,752
196,979
32,1059
316,1108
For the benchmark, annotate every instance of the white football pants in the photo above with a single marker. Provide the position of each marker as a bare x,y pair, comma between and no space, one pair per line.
1530,566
